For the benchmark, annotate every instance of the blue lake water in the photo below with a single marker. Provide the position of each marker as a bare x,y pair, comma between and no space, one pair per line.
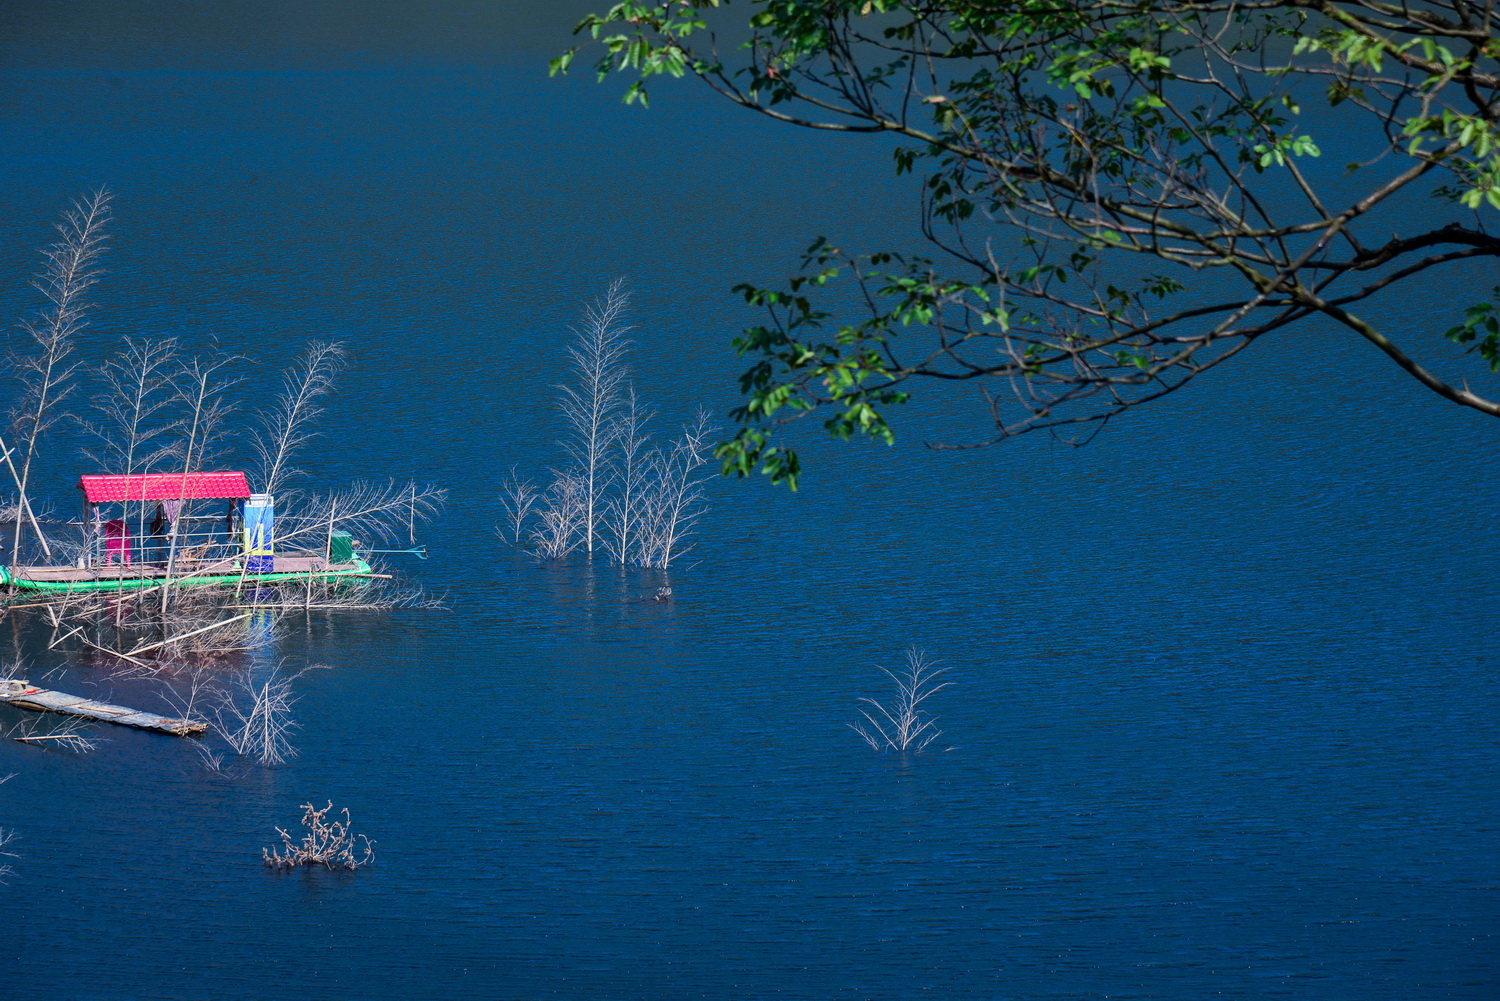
1223,720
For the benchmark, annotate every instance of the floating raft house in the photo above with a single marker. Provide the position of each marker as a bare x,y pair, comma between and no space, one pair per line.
17,692
140,527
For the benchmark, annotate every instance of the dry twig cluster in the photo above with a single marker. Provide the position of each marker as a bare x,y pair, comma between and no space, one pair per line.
69,733
330,844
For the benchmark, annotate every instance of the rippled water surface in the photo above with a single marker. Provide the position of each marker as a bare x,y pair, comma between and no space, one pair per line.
1223,720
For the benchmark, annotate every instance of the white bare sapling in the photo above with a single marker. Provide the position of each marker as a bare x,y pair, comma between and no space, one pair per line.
201,385
636,502
257,719
518,495
626,508
675,500
44,366
132,422
561,515
591,406
383,512
68,734
904,725
287,426
133,419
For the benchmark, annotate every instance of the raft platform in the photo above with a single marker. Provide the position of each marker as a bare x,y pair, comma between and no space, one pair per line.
221,573
17,692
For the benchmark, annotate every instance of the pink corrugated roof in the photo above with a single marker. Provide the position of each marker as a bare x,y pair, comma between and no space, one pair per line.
163,486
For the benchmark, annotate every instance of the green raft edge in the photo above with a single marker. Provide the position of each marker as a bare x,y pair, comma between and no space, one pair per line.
359,569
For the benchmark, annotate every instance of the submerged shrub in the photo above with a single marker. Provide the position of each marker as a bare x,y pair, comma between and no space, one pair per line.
327,843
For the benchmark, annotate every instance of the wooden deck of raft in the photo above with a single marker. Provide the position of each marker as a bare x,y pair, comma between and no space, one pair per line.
183,568
28,696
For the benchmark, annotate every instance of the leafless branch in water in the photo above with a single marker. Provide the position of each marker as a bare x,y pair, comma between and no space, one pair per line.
212,760
133,429
330,844
190,689
68,733
636,467
257,719
135,435
638,503
202,385
518,496
905,725
46,369
590,406
287,426
674,502
373,512
561,514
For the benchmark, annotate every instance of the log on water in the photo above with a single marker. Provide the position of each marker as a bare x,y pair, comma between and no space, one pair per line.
28,696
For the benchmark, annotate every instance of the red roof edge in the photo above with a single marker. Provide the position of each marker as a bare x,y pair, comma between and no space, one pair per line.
113,488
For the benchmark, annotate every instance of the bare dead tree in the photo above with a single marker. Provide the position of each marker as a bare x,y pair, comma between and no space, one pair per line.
135,390
371,511
257,719
634,468
639,503
518,496
590,406
202,385
209,757
904,725
329,843
190,688
562,515
675,500
287,425
45,369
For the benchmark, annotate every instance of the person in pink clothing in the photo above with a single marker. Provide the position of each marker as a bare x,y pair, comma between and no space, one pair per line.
116,543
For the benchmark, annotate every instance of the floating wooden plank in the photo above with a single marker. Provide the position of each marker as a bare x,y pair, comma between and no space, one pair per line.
26,695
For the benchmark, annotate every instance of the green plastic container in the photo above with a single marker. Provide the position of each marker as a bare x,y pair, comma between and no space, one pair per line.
340,548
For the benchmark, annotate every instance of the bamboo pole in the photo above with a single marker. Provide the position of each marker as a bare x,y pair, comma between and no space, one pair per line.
175,639
23,502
